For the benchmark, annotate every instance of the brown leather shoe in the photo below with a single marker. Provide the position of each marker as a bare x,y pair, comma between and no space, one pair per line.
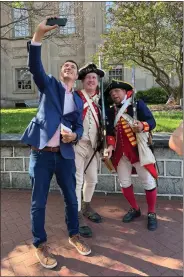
82,247
45,256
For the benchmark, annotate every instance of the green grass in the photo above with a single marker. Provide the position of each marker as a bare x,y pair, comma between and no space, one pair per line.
14,121
167,121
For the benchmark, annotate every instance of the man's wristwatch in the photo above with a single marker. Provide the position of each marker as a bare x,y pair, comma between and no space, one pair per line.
76,140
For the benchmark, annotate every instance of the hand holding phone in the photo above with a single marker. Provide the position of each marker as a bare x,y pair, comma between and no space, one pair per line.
47,25
56,21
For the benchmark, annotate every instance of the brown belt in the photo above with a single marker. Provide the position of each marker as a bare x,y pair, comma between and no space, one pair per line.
47,149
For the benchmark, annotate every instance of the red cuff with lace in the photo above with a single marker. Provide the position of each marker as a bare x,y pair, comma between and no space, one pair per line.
111,141
145,126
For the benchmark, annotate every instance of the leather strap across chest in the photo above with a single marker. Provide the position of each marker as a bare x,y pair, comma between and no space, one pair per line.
122,110
89,103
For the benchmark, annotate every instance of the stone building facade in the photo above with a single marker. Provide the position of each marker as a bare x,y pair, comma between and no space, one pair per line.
79,40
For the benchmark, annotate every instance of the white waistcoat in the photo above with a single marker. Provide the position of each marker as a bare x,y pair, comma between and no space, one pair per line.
90,127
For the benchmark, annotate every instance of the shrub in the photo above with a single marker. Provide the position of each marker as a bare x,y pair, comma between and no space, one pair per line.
155,95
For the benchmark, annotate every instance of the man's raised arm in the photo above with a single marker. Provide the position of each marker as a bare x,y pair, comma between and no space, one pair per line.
35,64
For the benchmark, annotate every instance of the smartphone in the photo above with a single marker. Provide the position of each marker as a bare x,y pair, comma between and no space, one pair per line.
56,21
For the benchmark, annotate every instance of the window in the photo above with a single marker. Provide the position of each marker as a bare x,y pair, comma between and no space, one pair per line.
108,6
21,27
67,9
23,79
116,73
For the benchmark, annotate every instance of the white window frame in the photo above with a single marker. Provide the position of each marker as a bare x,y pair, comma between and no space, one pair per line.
18,90
67,9
116,76
21,28
108,4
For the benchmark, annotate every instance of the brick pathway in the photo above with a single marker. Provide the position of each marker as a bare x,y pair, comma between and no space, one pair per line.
117,249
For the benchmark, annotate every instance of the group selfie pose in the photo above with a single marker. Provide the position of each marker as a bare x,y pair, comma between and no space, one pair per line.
71,132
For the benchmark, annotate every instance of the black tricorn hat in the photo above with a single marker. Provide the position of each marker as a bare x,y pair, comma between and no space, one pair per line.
115,84
118,84
90,68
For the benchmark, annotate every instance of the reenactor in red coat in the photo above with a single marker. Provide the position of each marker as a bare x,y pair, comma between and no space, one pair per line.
122,139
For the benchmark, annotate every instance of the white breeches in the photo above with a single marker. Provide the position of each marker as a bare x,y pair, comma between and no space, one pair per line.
124,171
83,153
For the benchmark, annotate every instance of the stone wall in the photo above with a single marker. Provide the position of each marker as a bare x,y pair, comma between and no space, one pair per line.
15,165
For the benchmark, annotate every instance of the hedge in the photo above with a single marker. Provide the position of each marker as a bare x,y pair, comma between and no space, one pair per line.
155,95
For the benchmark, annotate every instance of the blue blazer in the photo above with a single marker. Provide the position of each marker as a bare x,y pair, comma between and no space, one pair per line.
50,111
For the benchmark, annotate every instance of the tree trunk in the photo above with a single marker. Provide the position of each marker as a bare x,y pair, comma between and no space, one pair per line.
179,94
176,93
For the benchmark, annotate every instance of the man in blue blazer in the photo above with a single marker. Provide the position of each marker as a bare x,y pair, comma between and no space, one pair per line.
51,135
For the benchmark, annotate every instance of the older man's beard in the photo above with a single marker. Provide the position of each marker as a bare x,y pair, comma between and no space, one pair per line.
116,101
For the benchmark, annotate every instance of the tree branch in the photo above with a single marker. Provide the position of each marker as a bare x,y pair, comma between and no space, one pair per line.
144,66
158,68
14,22
158,80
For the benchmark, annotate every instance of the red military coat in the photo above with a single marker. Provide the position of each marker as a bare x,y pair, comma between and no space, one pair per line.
123,138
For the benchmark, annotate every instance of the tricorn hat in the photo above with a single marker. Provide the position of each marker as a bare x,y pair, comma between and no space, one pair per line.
90,68
118,84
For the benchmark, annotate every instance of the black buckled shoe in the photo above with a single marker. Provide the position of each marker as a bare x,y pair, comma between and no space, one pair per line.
152,222
131,215
88,212
95,218
85,231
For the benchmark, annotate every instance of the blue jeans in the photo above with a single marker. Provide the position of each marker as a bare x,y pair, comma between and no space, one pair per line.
41,169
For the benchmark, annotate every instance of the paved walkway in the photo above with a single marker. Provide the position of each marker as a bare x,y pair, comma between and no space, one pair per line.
117,249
